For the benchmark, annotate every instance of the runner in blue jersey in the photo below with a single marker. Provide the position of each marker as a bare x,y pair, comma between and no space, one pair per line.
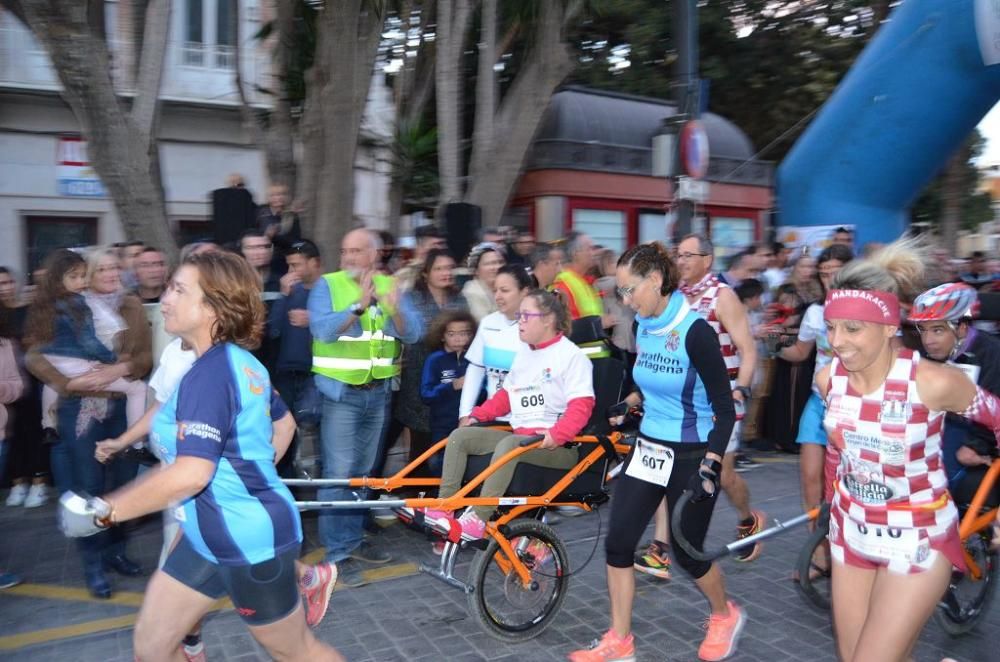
241,532
689,415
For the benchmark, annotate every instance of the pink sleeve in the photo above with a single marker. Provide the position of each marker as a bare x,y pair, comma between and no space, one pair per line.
985,410
494,408
577,414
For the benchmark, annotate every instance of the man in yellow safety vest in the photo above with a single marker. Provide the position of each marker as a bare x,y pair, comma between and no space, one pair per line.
575,285
358,323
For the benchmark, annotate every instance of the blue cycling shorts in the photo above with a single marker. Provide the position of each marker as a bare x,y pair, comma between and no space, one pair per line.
811,429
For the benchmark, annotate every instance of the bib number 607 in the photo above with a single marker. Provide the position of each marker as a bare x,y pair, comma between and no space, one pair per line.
532,400
655,463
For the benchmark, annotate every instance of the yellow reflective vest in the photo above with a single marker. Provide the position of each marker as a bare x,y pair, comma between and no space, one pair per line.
360,359
585,303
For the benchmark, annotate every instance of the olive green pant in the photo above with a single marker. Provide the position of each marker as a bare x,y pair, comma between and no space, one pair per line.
467,441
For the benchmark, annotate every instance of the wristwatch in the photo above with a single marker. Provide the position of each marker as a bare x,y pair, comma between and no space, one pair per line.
357,309
745,390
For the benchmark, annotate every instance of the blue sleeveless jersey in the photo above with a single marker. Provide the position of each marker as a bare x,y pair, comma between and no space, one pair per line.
674,398
222,412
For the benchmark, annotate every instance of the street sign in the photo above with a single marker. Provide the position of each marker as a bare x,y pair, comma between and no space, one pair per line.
696,190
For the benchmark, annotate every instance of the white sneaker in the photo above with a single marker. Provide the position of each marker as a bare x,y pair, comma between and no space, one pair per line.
17,494
38,495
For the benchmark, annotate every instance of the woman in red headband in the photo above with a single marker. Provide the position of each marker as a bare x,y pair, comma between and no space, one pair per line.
893,526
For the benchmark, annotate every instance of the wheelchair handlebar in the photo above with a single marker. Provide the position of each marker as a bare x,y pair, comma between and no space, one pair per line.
531,440
713,554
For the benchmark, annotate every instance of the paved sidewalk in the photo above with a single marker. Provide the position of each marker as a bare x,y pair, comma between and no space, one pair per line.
404,616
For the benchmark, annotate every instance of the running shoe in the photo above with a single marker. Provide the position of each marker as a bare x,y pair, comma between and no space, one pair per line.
723,634
17,495
748,554
654,560
473,528
384,513
37,496
744,463
317,596
610,648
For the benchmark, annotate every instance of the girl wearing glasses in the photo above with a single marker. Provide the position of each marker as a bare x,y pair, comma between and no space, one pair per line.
681,380
548,391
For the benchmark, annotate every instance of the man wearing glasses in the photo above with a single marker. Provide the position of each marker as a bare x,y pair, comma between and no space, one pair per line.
721,308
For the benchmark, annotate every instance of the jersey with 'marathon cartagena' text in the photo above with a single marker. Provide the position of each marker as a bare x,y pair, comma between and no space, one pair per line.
221,412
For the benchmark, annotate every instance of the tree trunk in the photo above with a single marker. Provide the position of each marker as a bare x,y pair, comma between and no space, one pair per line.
275,133
348,33
522,109
952,196
453,25
121,144
486,105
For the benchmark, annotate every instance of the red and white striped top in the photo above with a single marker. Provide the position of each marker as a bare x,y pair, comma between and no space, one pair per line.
889,445
705,305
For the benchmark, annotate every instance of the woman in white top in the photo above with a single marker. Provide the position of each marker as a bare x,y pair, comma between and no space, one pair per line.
492,350
485,261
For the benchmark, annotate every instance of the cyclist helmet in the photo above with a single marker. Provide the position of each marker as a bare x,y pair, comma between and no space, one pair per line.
950,302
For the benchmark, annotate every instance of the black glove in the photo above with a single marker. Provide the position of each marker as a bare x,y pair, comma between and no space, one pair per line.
705,482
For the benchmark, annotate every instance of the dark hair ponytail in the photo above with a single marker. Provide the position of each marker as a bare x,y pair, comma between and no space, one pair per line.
645,259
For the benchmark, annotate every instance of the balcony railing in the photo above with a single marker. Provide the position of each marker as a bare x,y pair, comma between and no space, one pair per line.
632,160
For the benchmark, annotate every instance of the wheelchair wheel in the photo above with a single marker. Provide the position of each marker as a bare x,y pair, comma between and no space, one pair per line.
966,599
814,583
504,606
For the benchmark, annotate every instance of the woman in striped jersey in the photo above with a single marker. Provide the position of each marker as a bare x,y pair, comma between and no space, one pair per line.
893,526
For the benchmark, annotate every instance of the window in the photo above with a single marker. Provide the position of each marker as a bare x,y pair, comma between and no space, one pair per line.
47,233
731,235
652,226
604,226
226,15
193,53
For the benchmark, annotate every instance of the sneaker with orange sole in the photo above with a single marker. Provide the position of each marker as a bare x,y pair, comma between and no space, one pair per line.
610,648
723,634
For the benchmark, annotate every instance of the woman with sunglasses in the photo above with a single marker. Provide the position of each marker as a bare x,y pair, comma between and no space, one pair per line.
549,391
682,382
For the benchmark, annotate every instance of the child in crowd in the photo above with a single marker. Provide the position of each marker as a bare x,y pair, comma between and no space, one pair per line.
444,374
75,340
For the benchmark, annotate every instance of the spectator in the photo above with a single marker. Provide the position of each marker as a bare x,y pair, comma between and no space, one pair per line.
843,236
88,413
129,253
491,236
279,224
485,261
444,375
433,293
151,275
288,326
546,263
743,265
617,316
521,248
258,249
428,237
359,323
575,285
803,279
233,212
777,270
12,385
977,274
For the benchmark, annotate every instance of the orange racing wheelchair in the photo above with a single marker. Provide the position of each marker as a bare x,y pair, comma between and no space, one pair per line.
520,575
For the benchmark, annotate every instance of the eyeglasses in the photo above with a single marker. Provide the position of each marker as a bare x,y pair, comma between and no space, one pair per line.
524,317
627,291
688,256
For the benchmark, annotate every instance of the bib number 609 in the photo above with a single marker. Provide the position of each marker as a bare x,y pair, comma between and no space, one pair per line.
532,400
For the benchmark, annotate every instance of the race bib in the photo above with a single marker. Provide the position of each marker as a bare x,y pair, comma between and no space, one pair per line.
885,543
651,463
527,404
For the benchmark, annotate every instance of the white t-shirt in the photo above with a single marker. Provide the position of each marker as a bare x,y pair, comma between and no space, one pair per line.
174,364
543,381
490,356
813,329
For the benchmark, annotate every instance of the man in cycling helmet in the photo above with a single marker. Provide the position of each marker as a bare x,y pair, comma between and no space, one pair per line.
943,315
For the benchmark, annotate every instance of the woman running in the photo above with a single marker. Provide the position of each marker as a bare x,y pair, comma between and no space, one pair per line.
893,526
689,416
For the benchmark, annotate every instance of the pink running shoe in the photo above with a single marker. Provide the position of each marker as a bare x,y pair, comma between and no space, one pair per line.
317,596
610,648
473,528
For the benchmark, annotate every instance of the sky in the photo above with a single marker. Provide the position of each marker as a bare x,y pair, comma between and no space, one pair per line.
990,128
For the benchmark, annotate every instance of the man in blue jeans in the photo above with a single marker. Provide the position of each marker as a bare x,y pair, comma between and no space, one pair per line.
358,323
